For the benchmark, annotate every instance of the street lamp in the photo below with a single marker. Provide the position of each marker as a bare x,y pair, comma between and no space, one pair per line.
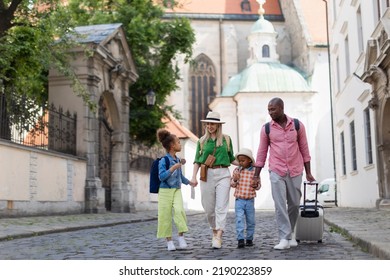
150,98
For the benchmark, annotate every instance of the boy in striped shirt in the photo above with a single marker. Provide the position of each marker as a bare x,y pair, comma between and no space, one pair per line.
245,197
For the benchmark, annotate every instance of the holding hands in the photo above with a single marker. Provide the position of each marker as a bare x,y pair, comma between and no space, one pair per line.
193,184
255,182
236,176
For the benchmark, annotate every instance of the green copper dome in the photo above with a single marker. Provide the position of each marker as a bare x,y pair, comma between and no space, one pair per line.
266,77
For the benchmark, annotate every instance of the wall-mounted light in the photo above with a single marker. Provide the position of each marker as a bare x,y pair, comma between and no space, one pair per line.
150,98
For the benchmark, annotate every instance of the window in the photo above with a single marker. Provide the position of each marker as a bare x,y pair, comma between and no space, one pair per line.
347,60
245,6
334,10
265,51
360,30
353,145
323,188
343,163
377,13
202,91
367,131
338,74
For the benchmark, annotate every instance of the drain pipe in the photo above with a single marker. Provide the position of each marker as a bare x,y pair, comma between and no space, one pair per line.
220,53
331,103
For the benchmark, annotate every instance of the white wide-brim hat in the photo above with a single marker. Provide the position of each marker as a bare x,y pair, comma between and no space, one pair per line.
245,152
213,117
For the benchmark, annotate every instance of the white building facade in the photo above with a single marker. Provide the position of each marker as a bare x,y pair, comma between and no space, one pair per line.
358,47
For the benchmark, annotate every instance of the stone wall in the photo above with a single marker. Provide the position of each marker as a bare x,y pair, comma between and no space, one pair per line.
39,182
140,161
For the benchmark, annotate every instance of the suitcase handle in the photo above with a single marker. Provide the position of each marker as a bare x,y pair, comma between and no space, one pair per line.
304,194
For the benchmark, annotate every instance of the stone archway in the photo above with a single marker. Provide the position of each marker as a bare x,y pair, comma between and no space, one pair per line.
102,132
105,149
379,80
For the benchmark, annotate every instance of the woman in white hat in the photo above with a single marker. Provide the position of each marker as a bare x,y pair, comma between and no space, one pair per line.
214,154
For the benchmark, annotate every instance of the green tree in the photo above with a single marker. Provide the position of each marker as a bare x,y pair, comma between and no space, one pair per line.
28,29
154,43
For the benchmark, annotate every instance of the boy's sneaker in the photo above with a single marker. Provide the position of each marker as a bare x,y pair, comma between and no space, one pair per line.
216,242
171,246
182,242
249,243
241,243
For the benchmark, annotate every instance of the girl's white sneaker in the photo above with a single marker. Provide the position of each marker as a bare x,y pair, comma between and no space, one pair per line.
171,246
182,242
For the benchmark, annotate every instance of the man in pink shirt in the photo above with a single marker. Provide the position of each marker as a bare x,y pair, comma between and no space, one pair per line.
288,156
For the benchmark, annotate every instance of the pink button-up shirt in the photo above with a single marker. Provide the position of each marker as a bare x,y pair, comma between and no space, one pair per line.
288,149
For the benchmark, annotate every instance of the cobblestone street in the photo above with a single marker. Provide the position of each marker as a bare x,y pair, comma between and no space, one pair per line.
137,241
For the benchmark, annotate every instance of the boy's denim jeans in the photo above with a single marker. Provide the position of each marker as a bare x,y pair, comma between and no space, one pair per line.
245,214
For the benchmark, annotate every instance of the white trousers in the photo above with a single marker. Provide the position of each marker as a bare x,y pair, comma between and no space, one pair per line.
286,190
215,197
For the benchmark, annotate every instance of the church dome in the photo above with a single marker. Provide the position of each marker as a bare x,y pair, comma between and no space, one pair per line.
266,77
262,26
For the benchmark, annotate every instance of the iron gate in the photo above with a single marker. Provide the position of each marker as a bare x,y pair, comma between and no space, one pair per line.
105,154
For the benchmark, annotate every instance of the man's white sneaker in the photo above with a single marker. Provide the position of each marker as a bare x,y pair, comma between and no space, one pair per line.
171,246
182,242
283,244
293,243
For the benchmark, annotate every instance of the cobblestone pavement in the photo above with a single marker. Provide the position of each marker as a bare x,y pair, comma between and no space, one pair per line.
137,241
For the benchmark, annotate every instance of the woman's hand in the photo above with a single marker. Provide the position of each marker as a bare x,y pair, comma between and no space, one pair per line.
193,183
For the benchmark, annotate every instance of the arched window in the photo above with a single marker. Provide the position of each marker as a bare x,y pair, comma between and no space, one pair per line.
265,50
201,91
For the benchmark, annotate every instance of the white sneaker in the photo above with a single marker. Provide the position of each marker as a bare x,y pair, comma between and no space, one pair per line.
171,246
283,244
182,242
293,242
216,242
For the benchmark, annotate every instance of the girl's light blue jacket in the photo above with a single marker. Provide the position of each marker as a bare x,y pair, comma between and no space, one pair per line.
171,180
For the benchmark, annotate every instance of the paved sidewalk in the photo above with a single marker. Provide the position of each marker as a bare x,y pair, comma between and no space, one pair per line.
369,228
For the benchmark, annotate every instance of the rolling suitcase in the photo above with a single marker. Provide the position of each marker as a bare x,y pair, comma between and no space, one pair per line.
310,222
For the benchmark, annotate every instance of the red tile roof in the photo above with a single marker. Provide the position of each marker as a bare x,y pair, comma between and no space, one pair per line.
175,127
224,7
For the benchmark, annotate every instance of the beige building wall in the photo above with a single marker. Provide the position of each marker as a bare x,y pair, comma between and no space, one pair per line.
36,182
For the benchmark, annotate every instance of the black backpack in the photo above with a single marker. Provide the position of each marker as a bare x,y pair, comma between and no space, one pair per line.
154,183
268,126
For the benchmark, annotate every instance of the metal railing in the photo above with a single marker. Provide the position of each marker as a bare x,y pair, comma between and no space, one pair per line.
44,127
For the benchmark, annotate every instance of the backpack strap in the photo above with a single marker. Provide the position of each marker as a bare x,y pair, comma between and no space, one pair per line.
166,162
268,127
296,124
